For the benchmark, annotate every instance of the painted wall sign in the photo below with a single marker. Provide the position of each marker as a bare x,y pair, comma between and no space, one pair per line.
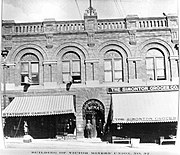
157,88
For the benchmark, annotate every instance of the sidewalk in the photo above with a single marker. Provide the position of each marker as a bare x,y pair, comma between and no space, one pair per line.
89,145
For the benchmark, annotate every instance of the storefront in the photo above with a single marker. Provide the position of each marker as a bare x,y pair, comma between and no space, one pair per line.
46,116
148,112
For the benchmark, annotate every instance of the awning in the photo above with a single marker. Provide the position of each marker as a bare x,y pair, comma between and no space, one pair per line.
40,105
145,107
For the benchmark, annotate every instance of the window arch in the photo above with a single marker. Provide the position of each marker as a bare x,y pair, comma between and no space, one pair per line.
155,65
71,67
113,66
29,69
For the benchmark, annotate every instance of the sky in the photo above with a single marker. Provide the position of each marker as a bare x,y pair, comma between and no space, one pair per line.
38,10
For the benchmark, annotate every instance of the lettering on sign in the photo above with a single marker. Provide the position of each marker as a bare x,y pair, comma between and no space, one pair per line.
145,119
158,88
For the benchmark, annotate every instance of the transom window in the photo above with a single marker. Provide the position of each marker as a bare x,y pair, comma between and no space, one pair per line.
29,69
71,68
155,65
113,67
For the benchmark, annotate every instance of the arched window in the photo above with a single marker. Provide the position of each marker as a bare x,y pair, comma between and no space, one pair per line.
29,69
113,67
71,68
155,65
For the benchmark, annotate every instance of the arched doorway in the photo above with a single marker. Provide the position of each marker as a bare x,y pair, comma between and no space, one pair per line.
93,110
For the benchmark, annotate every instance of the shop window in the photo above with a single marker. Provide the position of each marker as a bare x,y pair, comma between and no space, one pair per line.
71,68
155,65
29,69
113,68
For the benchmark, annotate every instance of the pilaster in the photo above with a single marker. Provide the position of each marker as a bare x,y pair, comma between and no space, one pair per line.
132,25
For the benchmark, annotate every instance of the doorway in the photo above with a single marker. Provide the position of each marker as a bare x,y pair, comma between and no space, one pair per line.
93,110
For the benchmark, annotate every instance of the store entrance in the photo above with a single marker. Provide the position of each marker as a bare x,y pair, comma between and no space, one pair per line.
41,126
93,110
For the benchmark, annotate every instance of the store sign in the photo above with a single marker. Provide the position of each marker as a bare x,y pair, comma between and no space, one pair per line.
158,88
37,113
144,119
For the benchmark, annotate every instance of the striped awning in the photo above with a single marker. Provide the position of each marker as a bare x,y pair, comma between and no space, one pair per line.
145,107
40,105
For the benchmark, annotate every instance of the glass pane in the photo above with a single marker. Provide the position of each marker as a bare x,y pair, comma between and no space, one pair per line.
76,66
66,66
24,67
76,79
107,65
160,63
117,64
150,74
118,75
149,63
35,67
24,78
176,70
108,76
35,78
66,77
160,73
154,53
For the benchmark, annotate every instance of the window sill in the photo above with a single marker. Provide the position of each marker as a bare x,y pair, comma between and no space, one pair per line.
159,82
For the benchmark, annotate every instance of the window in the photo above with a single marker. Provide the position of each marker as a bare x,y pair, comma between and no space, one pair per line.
177,67
71,68
29,69
113,68
155,65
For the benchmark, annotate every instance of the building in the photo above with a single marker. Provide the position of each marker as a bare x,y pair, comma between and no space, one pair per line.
123,72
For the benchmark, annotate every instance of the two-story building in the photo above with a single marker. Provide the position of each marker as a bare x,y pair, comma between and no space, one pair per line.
123,72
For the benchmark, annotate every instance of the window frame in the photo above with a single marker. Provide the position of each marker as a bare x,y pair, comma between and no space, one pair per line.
155,67
113,70
30,73
72,74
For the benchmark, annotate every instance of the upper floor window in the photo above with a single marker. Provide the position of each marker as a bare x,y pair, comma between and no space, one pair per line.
29,69
113,67
71,68
155,65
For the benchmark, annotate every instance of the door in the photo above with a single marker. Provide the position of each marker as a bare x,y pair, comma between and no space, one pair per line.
93,110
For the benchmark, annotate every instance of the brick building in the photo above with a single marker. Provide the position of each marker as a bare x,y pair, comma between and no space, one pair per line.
123,72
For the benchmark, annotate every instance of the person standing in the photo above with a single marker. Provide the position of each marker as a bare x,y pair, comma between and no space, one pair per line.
100,129
25,128
89,129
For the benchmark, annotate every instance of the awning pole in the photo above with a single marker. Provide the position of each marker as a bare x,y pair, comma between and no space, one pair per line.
18,127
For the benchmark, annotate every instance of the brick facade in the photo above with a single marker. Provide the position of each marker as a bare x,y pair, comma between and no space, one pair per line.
90,39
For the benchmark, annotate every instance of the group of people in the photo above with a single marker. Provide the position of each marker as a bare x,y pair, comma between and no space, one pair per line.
89,129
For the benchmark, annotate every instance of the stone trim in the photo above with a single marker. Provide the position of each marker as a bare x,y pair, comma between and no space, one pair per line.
49,62
154,41
92,60
134,59
116,45
17,53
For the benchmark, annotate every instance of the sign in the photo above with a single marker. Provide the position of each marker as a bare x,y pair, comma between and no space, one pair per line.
145,119
37,113
136,89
